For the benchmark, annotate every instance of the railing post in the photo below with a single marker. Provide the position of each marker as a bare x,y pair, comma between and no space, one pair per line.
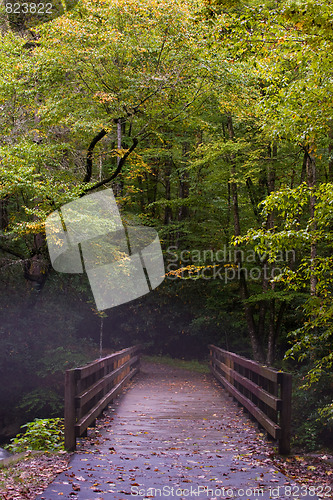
70,437
212,355
138,353
285,414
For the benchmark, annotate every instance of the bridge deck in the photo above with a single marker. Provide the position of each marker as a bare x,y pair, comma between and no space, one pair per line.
172,434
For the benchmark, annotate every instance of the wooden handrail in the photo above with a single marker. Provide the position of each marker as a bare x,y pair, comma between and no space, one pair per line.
263,391
90,388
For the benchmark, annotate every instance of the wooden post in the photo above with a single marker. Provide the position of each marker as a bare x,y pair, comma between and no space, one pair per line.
139,360
213,353
83,403
285,415
70,437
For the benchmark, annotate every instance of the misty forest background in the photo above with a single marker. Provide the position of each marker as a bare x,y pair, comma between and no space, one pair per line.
212,122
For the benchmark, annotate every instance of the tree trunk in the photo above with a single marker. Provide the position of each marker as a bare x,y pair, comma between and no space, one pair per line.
167,183
311,181
142,195
4,220
330,153
183,194
36,271
254,201
274,329
255,343
272,151
226,230
271,333
119,183
303,171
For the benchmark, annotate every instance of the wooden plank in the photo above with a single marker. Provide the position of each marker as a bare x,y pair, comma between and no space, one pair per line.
255,367
285,415
85,421
89,393
93,367
264,371
272,428
70,441
265,396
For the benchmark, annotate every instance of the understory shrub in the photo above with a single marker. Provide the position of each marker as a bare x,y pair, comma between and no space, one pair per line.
46,434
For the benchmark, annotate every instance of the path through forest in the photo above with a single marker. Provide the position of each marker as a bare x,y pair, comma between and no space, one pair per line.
175,434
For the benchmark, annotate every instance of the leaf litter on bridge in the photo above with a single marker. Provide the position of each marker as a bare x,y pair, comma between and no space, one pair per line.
174,434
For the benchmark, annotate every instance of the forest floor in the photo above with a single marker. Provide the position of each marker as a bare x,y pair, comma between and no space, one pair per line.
31,475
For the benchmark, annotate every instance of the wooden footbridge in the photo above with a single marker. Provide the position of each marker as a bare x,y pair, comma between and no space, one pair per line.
174,433
265,393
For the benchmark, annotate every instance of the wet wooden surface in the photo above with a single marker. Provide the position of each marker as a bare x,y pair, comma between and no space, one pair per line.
173,434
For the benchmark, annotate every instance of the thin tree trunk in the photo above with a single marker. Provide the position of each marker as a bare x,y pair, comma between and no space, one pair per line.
142,196
182,210
226,230
303,171
254,201
183,194
311,181
274,329
271,333
4,220
255,344
330,152
119,183
167,183
269,225
183,184
36,272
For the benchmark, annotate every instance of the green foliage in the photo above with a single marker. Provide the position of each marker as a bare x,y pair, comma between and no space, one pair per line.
326,416
193,365
312,412
307,435
41,401
41,434
64,357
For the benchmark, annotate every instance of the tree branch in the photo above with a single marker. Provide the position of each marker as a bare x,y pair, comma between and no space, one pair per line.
116,172
12,252
93,143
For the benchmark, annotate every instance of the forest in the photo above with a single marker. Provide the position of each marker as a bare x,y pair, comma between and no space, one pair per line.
211,121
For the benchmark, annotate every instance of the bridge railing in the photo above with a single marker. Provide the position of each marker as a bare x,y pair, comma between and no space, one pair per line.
89,389
264,392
